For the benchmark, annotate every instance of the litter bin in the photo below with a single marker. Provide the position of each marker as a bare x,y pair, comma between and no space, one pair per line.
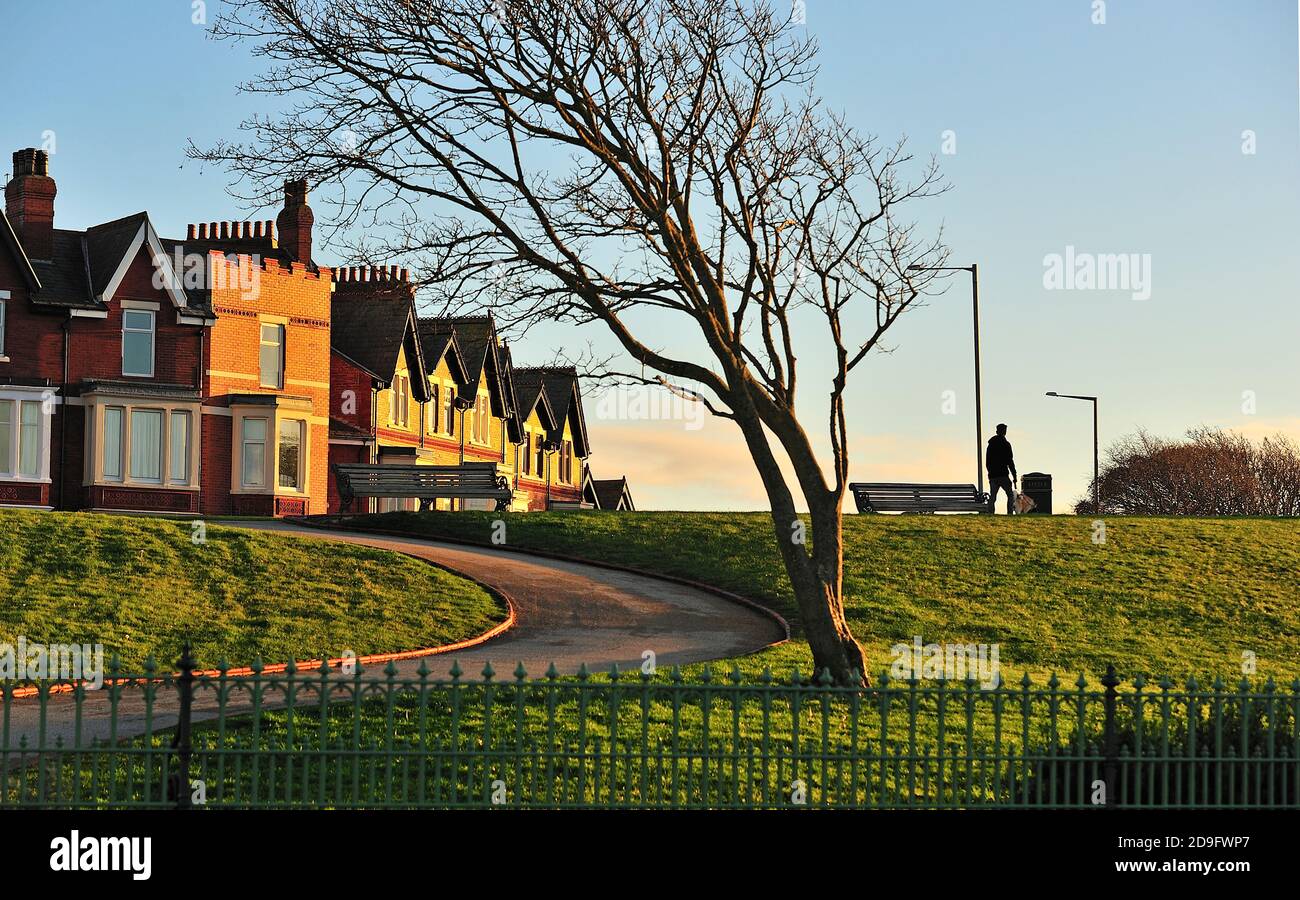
1039,488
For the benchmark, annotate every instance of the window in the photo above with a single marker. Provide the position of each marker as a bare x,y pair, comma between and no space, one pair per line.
146,445
29,439
434,408
527,454
449,402
290,456
566,462
253,472
6,436
137,343
541,457
481,422
401,397
113,443
271,356
179,469
2,328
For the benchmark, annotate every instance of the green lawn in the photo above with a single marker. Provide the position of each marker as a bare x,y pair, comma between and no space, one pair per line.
1159,596
1173,597
140,586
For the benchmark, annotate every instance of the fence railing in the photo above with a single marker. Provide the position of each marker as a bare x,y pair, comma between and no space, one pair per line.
372,739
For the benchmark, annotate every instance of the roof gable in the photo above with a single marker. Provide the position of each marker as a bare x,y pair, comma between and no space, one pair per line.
476,338
10,239
560,385
112,247
436,346
613,493
371,326
529,396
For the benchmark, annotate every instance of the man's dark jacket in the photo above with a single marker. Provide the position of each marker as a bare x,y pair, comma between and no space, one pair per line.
997,458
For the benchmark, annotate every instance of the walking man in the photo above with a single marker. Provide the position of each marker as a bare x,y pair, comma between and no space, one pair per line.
1001,466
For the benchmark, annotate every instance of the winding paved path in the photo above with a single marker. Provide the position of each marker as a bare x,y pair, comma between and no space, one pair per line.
567,614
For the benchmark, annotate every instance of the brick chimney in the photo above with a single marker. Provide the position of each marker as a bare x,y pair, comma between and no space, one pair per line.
295,221
29,202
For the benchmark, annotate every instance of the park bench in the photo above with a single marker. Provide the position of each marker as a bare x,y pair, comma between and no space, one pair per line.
468,481
872,497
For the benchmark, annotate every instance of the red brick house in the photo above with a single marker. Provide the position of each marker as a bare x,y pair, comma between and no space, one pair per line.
222,373
140,373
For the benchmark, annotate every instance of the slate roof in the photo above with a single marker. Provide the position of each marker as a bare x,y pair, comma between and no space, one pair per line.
106,244
564,396
528,394
609,491
339,428
153,390
370,322
475,335
10,238
437,344
84,262
65,281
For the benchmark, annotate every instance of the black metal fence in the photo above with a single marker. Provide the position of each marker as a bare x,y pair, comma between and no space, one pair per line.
328,738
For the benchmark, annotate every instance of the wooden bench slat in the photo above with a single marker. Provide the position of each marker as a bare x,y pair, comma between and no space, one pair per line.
424,483
873,497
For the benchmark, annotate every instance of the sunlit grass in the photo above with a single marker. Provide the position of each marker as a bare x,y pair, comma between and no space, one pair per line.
1174,597
142,587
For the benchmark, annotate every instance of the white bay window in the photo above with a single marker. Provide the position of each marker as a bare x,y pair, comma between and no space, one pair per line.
139,441
271,447
25,414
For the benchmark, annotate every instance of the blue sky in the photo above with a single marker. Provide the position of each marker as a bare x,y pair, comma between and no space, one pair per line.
1117,138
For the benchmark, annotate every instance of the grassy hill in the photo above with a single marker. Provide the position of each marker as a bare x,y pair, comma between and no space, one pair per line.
141,586
1173,597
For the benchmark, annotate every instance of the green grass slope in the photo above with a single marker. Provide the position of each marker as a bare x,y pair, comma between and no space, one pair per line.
1174,597
141,586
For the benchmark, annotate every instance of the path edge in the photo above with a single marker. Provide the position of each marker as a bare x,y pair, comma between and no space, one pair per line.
331,523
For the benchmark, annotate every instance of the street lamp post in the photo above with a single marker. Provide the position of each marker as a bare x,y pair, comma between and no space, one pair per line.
979,398
1096,477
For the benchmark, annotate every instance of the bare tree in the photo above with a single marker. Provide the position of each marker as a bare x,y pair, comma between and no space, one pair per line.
1210,472
591,160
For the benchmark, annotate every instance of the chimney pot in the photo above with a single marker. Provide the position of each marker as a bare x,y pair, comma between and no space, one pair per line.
295,222
29,202
295,193
189,232
31,161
